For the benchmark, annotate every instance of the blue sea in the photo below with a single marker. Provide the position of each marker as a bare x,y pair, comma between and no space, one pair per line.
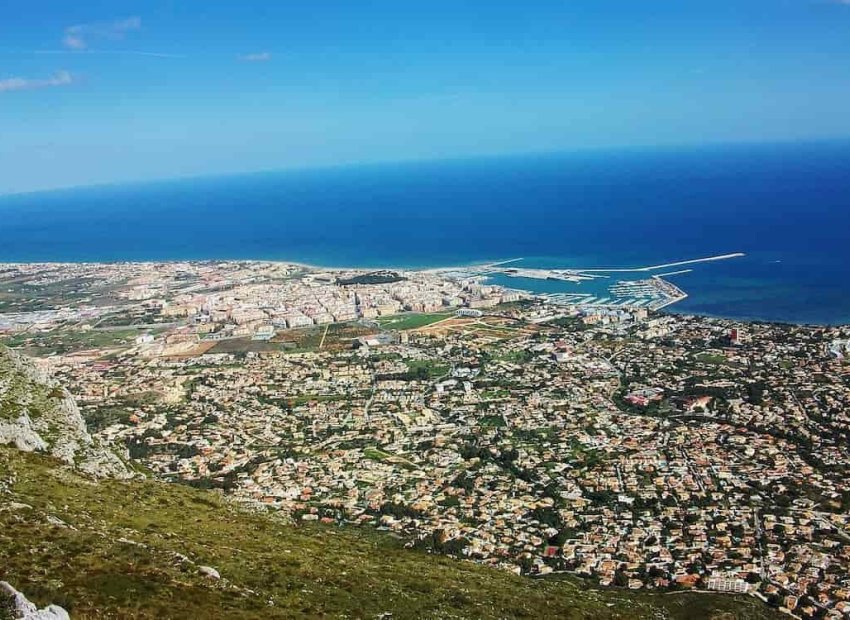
786,206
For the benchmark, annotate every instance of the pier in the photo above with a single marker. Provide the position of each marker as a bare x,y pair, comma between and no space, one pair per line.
692,261
580,274
651,293
672,273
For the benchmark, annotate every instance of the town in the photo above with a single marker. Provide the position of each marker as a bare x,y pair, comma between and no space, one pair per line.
638,449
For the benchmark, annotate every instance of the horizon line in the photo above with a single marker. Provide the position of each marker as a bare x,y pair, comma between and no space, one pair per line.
345,164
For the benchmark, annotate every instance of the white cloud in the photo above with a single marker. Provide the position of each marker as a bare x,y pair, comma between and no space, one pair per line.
106,53
60,78
74,42
255,57
78,36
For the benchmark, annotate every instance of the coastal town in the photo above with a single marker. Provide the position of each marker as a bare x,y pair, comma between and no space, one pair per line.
635,448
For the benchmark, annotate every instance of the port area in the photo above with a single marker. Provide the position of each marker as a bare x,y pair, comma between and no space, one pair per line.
565,275
599,289
652,293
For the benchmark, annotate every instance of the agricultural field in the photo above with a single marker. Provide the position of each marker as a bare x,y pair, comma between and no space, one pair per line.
71,340
412,320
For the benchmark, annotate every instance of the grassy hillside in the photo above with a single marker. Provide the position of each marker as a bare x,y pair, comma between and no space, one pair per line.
133,550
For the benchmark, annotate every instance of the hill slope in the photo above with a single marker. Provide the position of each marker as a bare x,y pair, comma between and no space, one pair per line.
119,548
135,550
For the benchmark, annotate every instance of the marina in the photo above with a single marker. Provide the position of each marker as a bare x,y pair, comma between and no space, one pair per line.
650,293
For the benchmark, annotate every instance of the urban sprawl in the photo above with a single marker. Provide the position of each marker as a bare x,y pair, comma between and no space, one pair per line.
634,448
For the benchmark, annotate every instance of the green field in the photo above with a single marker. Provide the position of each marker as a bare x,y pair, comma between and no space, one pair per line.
711,358
427,369
18,296
517,356
375,454
412,320
69,340
307,339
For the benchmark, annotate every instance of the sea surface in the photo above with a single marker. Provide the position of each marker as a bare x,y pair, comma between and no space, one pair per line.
786,206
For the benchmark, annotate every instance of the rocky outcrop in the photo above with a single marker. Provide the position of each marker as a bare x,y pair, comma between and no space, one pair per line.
209,571
15,605
37,414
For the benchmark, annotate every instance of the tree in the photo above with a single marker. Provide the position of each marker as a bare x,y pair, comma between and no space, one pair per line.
620,578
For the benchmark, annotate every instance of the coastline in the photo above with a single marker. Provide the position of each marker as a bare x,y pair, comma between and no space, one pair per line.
555,212
672,308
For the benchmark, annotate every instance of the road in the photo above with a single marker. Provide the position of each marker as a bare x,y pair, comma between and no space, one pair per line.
324,335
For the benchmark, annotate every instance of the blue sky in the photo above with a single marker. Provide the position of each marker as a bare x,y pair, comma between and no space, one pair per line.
96,91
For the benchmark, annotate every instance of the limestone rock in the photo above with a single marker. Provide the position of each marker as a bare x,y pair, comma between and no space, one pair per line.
20,608
38,415
20,433
209,571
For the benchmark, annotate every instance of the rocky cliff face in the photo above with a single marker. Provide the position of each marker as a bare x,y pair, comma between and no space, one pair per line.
37,414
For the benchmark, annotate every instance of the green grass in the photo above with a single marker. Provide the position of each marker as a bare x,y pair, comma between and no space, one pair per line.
494,421
375,454
427,369
69,340
339,336
517,356
412,320
306,571
300,340
711,358
16,296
